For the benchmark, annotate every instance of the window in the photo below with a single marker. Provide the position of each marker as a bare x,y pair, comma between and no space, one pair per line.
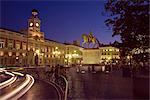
1,53
23,54
10,45
17,46
45,49
1,44
42,49
24,46
9,53
17,53
49,49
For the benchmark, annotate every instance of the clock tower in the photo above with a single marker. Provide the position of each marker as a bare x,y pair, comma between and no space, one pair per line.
34,24
34,21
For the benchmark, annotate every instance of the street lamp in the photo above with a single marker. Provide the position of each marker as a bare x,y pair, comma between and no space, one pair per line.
129,58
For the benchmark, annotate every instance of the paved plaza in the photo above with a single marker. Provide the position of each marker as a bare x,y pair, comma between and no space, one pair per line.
99,85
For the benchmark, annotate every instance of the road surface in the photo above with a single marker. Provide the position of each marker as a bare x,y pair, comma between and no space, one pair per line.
41,91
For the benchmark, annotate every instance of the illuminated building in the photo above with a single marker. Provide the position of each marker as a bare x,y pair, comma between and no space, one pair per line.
73,54
100,55
25,47
30,47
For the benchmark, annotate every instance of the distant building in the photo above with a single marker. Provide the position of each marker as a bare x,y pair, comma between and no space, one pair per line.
76,42
100,55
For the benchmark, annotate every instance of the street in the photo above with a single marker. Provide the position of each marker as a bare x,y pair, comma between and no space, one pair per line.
41,91
99,85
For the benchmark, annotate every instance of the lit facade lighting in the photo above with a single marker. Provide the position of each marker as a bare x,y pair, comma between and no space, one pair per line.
37,52
10,53
56,48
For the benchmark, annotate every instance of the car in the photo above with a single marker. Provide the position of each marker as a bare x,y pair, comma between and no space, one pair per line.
82,71
107,69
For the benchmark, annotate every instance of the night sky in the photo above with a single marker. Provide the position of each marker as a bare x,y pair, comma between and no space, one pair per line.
60,20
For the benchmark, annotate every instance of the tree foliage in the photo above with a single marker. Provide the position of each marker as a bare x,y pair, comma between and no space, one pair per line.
130,20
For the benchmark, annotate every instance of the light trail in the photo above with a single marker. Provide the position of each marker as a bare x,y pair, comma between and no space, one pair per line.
9,81
17,73
19,91
24,90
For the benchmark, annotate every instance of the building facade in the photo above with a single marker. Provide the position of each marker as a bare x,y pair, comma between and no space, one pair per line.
101,55
31,48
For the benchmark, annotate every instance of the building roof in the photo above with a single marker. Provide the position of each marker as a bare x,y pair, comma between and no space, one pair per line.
73,45
53,40
11,30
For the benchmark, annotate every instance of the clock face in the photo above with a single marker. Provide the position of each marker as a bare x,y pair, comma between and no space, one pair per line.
31,24
37,24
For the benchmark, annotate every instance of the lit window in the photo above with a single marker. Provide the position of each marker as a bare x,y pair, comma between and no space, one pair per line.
28,48
10,45
1,53
56,48
52,49
17,53
24,47
49,49
117,49
17,46
75,51
23,54
45,49
9,53
33,49
1,44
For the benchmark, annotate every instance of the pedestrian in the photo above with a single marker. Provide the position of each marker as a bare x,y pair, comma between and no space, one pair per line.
93,69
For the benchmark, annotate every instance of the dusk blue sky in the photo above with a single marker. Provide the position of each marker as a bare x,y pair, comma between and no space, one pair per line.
60,20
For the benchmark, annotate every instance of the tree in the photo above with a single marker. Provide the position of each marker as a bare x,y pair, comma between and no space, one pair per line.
130,20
